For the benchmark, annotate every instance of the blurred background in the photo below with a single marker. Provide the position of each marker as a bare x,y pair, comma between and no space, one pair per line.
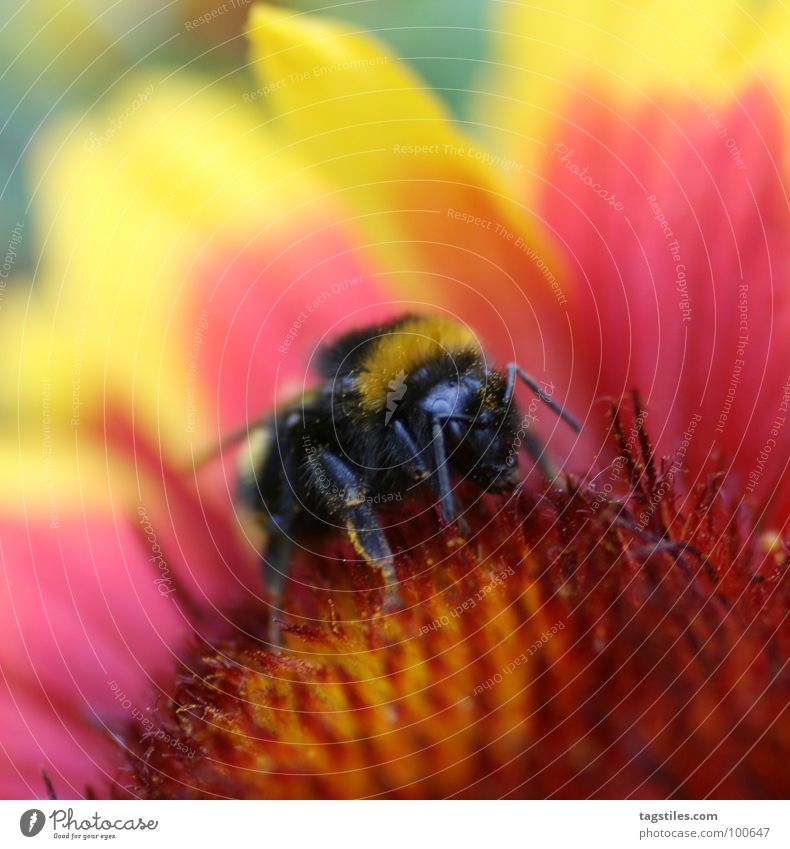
73,55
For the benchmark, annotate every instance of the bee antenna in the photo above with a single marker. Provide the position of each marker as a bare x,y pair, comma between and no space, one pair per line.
514,369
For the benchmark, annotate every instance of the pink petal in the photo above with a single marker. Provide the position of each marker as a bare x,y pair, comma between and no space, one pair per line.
632,324
266,307
83,627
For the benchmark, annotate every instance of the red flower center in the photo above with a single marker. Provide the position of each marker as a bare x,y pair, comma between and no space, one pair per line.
590,640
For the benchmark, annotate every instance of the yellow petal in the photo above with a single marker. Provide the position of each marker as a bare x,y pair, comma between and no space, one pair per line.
44,469
545,53
434,208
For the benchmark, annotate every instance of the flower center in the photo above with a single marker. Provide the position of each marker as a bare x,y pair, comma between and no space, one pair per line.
574,644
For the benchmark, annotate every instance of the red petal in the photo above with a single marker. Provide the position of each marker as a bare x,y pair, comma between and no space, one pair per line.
722,193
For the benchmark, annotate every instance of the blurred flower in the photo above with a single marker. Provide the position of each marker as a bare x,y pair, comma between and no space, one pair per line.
196,238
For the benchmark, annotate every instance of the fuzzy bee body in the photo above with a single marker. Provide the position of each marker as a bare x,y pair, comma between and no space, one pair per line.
406,405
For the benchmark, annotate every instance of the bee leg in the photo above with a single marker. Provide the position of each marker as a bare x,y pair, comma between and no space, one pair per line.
446,500
364,531
537,450
440,487
275,561
415,459
512,370
277,554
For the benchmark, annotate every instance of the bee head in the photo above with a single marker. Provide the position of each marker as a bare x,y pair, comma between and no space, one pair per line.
479,426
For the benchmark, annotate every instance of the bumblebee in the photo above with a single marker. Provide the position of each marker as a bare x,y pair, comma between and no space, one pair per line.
406,405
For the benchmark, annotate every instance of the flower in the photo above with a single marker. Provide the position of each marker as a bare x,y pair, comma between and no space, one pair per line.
571,651
196,237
